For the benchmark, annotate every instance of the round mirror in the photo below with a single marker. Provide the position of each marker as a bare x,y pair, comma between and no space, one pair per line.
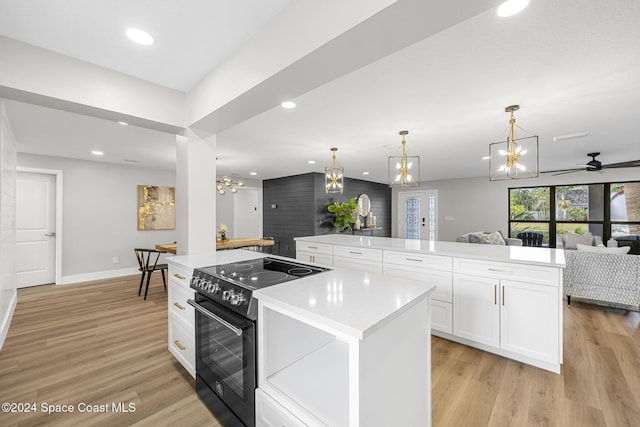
364,205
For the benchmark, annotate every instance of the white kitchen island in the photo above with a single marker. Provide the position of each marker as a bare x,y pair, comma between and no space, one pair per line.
502,299
344,348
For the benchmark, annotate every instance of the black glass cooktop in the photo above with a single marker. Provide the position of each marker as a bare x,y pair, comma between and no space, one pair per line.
261,272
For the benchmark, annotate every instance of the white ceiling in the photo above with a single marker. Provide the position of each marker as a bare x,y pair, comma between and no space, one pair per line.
573,66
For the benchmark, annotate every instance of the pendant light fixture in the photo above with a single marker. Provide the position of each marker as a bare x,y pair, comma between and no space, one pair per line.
404,171
226,182
334,176
513,158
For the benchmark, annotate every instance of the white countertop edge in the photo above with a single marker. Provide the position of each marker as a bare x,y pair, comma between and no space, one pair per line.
545,257
332,326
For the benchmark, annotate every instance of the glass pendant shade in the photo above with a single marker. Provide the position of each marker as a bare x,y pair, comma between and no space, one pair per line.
334,176
404,171
514,157
225,181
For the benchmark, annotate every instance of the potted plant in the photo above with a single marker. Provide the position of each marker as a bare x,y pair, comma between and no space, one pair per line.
344,212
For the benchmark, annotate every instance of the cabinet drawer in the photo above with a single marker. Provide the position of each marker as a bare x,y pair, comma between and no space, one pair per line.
357,253
442,316
271,414
358,264
180,275
182,344
178,296
503,270
442,280
435,262
322,259
318,248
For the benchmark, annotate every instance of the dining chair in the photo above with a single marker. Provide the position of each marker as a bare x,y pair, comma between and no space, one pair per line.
148,263
530,238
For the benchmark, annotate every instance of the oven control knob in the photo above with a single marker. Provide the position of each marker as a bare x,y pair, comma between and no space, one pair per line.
227,295
195,281
214,288
237,299
203,283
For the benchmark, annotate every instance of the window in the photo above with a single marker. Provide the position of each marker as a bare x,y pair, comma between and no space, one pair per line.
579,209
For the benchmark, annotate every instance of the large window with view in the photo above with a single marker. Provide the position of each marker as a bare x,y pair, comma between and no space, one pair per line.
603,209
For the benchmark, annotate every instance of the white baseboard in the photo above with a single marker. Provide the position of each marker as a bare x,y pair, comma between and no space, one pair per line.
98,275
7,315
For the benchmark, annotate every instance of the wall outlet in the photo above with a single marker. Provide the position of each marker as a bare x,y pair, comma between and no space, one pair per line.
115,260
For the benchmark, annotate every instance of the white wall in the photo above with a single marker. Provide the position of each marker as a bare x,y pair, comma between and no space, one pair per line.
100,215
8,293
225,206
476,204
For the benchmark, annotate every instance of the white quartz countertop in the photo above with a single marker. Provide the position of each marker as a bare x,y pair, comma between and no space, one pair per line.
215,258
344,301
347,302
512,254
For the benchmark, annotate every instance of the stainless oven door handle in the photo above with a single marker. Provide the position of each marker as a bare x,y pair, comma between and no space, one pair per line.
207,313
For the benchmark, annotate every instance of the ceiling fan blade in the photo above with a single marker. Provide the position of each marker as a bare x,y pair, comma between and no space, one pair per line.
627,164
564,170
567,171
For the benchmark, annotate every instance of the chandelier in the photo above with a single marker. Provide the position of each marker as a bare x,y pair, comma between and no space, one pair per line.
513,158
334,176
226,182
404,171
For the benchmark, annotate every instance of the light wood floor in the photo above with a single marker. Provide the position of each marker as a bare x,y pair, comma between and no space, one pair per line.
98,343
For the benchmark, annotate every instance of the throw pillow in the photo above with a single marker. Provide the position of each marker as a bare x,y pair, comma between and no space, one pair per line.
603,249
494,238
475,237
573,239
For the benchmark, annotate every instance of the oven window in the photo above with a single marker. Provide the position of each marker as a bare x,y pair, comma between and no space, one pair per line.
228,358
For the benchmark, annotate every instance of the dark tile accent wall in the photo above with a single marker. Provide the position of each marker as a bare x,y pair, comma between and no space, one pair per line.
296,206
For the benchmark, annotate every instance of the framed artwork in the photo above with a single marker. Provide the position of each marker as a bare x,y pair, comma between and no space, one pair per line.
156,208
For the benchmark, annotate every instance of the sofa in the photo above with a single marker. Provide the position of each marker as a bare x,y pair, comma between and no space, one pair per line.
488,238
602,276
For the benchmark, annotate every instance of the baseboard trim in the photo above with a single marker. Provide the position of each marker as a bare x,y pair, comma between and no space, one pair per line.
5,322
98,275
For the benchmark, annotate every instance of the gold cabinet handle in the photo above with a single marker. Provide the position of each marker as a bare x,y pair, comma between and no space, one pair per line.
180,346
354,252
179,276
495,294
178,305
312,247
503,295
413,259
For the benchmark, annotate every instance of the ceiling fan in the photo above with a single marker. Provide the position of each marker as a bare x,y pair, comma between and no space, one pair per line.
595,165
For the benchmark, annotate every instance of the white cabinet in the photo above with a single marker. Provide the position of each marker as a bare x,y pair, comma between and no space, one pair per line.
362,259
313,375
318,253
431,270
181,318
516,318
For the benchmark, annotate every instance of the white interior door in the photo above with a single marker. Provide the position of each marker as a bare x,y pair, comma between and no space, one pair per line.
35,229
247,213
418,215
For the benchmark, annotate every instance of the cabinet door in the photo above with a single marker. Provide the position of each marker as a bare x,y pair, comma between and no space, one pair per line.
476,313
322,259
529,320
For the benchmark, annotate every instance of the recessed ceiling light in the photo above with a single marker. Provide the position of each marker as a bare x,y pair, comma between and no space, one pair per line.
571,136
123,123
486,158
512,7
138,36
311,162
253,173
288,105
365,173
97,153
